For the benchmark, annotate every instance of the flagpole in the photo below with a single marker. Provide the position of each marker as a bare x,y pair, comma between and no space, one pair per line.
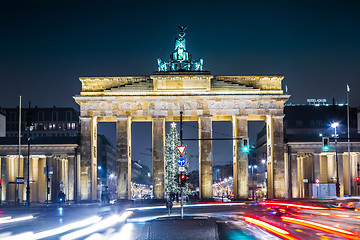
348,134
16,184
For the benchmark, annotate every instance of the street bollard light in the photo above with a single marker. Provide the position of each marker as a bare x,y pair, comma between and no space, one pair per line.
335,125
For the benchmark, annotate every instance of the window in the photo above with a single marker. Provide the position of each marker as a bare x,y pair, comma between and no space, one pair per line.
41,116
319,123
312,123
73,125
68,116
12,117
54,116
299,123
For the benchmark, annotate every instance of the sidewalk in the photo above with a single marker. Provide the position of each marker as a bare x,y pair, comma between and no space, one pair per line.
191,227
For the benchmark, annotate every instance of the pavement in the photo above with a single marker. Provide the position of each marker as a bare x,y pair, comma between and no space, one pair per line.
189,227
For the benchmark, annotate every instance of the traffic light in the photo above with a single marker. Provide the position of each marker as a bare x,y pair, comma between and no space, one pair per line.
357,179
325,144
245,145
0,183
182,179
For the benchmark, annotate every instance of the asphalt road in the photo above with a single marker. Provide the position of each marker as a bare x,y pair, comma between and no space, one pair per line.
233,221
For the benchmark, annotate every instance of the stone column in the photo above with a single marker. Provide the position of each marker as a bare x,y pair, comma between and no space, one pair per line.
205,157
341,174
71,174
270,164
123,164
55,178
294,176
276,163
346,173
300,175
316,159
287,172
158,157
34,176
240,159
88,164
3,177
42,180
323,169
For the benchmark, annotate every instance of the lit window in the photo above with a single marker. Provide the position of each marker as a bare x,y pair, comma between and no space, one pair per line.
68,126
73,125
50,126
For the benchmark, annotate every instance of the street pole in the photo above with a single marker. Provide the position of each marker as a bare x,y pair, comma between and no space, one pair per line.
252,180
337,168
17,192
181,191
29,123
47,183
348,135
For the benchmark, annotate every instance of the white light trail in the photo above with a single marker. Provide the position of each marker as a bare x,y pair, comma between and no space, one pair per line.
11,220
106,223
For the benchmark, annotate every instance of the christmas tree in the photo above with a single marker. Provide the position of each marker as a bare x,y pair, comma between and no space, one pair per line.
171,165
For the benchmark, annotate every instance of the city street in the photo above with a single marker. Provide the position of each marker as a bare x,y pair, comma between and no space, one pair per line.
234,220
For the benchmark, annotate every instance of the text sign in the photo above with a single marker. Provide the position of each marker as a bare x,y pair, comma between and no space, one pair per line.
181,149
181,161
182,169
305,180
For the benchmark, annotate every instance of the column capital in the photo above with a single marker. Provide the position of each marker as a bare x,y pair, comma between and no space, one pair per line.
205,116
241,116
123,118
84,118
158,117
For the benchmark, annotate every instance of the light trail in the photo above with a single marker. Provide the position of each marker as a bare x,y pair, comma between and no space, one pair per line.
11,220
185,206
321,227
55,231
293,205
271,228
106,223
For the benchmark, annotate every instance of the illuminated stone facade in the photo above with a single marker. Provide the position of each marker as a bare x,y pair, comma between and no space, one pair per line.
201,97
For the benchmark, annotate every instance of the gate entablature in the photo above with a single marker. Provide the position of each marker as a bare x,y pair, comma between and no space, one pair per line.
180,81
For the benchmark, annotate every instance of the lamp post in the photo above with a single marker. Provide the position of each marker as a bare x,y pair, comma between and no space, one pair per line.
335,125
29,126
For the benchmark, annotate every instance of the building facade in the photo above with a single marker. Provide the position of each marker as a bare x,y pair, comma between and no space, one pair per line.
305,126
54,142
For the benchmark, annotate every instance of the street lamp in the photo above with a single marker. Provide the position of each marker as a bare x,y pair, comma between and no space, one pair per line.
335,125
29,127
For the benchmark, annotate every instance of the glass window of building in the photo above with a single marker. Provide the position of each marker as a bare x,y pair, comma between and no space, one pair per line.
54,116
41,116
299,123
12,117
68,116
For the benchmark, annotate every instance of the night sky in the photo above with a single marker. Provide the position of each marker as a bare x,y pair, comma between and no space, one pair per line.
46,46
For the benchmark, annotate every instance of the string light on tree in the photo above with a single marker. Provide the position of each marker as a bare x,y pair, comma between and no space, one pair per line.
171,165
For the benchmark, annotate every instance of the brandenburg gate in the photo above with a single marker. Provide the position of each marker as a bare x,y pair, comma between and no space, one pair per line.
182,85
